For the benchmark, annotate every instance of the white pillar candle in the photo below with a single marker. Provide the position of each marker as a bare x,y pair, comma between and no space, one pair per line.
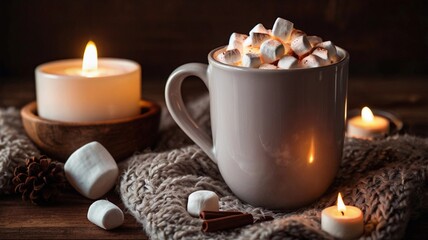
343,222
367,125
88,90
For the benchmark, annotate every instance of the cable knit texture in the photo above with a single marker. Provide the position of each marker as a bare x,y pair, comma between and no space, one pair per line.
15,147
385,178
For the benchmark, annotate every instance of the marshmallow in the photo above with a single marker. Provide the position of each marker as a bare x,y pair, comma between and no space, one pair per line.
332,52
268,66
256,39
91,170
301,46
251,50
232,56
321,52
271,50
282,29
238,37
259,28
235,45
202,200
287,49
251,60
296,33
105,214
314,40
236,41
311,61
288,62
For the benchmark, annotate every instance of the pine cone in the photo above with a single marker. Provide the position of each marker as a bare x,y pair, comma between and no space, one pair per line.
40,180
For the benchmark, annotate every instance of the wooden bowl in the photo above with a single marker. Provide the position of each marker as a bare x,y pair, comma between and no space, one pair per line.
121,137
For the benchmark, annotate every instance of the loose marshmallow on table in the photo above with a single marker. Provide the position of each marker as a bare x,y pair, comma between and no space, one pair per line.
332,52
271,50
282,29
259,28
301,46
202,200
232,57
288,62
91,170
105,214
251,60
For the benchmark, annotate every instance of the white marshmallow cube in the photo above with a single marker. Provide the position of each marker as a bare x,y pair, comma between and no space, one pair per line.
311,61
268,66
237,37
235,45
236,41
321,52
271,50
91,170
259,28
105,214
251,60
288,62
202,200
282,29
251,50
256,39
296,33
332,51
232,56
301,46
314,40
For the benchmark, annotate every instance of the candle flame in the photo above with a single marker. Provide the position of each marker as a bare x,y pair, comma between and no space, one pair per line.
367,114
340,204
90,59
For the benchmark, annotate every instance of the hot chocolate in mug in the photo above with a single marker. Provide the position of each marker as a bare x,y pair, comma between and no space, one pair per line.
277,135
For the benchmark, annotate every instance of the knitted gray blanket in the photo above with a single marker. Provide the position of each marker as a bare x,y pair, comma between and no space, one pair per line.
384,178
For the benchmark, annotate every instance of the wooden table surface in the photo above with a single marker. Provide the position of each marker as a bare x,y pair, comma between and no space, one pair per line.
407,97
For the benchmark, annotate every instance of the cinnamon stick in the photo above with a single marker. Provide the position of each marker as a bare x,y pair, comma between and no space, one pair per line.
217,214
263,219
228,222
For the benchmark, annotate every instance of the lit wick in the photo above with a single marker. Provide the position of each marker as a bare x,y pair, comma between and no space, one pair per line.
340,205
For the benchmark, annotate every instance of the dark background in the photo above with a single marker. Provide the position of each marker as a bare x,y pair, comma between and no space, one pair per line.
383,37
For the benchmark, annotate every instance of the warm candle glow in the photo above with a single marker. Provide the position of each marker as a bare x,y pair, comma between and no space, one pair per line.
90,59
340,204
342,222
367,114
311,151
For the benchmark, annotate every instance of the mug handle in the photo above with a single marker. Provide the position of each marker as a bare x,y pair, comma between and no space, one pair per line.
178,110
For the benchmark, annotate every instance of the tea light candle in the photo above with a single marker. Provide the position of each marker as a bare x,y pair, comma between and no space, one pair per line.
341,221
367,125
88,90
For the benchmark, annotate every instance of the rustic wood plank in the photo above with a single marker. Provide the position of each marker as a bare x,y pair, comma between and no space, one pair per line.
65,220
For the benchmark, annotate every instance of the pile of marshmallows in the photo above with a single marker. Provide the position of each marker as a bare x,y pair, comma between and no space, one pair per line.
283,47
92,171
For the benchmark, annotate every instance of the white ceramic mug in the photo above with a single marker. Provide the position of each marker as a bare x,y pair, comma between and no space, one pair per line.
277,134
